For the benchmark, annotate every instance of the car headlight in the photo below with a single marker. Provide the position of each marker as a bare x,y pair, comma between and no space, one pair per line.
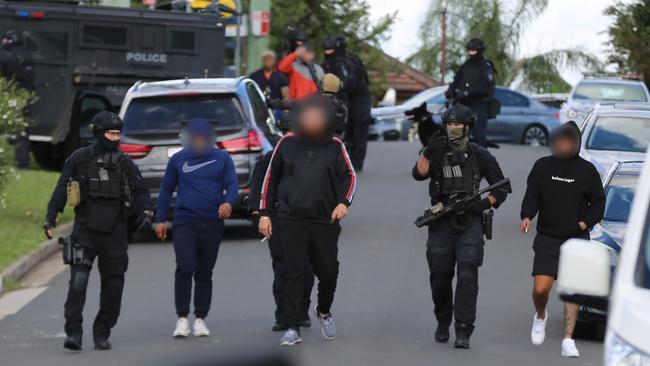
620,353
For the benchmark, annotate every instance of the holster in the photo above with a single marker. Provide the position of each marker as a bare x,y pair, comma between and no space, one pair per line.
73,252
488,216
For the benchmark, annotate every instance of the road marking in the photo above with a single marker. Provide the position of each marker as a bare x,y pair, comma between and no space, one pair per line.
13,301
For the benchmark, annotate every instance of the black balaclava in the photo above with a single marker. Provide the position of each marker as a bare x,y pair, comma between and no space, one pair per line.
102,122
336,43
478,45
567,130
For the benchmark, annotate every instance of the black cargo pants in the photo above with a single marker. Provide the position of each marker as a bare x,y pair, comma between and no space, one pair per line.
447,249
112,262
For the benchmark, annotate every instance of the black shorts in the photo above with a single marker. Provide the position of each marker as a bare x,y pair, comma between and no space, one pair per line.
547,253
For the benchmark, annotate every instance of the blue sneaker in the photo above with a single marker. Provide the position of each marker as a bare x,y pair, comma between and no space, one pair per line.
290,338
327,325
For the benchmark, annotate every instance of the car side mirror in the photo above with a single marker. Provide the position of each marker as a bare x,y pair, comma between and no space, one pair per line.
584,273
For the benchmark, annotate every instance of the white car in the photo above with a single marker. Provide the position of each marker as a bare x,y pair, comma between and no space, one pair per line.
615,132
584,277
591,91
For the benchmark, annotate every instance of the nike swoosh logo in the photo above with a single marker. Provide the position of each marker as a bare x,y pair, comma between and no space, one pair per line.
190,168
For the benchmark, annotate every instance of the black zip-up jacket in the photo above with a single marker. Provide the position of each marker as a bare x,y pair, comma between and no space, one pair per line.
76,167
563,192
307,180
257,179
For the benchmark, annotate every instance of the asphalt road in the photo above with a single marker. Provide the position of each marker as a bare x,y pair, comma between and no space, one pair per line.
383,307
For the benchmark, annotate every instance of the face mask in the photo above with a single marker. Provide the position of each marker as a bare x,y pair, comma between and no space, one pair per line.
457,137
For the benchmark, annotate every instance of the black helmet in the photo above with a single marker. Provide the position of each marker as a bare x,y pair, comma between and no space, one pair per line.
475,44
334,43
105,121
459,114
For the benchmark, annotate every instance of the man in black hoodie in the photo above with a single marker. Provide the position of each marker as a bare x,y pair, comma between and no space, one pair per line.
566,193
309,184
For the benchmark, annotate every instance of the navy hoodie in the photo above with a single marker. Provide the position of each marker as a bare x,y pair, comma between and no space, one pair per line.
564,191
203,181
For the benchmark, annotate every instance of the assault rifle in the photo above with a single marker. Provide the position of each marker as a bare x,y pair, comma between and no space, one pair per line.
439,210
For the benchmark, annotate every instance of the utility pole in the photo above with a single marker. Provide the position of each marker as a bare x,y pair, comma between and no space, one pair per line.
258,35
443,45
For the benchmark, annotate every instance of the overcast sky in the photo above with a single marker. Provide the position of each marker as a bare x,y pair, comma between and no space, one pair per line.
564,24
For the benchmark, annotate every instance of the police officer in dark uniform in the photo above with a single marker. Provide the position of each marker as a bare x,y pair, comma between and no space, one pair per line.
107,192
18,69
355,91
455,168
473,86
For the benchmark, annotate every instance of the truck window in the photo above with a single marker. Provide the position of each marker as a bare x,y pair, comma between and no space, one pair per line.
181,40
48,46
104,36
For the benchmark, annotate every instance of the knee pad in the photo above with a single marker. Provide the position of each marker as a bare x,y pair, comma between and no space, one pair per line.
80,281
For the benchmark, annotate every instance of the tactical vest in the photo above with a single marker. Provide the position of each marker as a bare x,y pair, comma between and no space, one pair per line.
452,179
106,191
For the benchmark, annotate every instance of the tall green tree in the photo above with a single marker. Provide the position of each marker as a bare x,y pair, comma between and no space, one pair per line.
629,37
500,25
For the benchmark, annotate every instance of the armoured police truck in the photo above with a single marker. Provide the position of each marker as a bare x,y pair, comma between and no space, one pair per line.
83,59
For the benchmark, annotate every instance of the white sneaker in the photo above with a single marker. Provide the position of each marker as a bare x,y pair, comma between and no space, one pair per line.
569,348
200,329
182,328
538,332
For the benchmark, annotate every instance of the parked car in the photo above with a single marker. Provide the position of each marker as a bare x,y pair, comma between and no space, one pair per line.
155,112
585,277
620,183
615,132
591,91
522,120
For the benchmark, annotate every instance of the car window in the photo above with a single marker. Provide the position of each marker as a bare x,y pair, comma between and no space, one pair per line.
437,99
510,99
619,196
610,92
259,106
620,134
642,276
170,112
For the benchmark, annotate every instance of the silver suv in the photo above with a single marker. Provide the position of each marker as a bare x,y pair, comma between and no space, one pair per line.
155,112
594,90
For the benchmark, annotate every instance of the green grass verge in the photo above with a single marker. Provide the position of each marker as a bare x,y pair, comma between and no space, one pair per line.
21,220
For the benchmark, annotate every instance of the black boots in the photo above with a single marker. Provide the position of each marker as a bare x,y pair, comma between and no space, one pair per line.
102,345
463,332
72,342
441,334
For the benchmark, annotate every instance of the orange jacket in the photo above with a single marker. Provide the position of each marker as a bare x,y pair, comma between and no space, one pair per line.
300,79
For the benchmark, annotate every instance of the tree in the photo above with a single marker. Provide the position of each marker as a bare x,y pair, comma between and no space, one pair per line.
500,27
629,37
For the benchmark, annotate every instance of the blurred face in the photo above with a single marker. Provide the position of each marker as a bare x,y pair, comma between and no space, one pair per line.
199,143
268,62
308,56
313,121
113,135
472,52
564,146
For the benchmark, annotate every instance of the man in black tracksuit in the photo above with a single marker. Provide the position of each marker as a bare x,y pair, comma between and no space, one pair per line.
566,193
309,184
355,91
455,168
111,193
473,86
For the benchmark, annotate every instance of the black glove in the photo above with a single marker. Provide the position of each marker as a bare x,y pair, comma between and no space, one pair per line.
479,206
419,114
449,94
50,223
146,221
437,142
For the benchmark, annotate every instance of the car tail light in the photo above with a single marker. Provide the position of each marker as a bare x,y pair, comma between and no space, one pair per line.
250,143
557,115
135,151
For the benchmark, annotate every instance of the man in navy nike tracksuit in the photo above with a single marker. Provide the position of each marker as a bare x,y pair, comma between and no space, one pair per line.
206,184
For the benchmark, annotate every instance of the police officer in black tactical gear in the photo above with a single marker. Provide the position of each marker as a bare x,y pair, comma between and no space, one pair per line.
108,193
455,168
473,86
355,91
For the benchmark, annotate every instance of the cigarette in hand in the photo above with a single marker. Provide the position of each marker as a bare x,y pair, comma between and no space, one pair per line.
264,239
526,230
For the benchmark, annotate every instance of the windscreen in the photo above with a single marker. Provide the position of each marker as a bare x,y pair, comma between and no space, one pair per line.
170,113
619,197
620,134
610,92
